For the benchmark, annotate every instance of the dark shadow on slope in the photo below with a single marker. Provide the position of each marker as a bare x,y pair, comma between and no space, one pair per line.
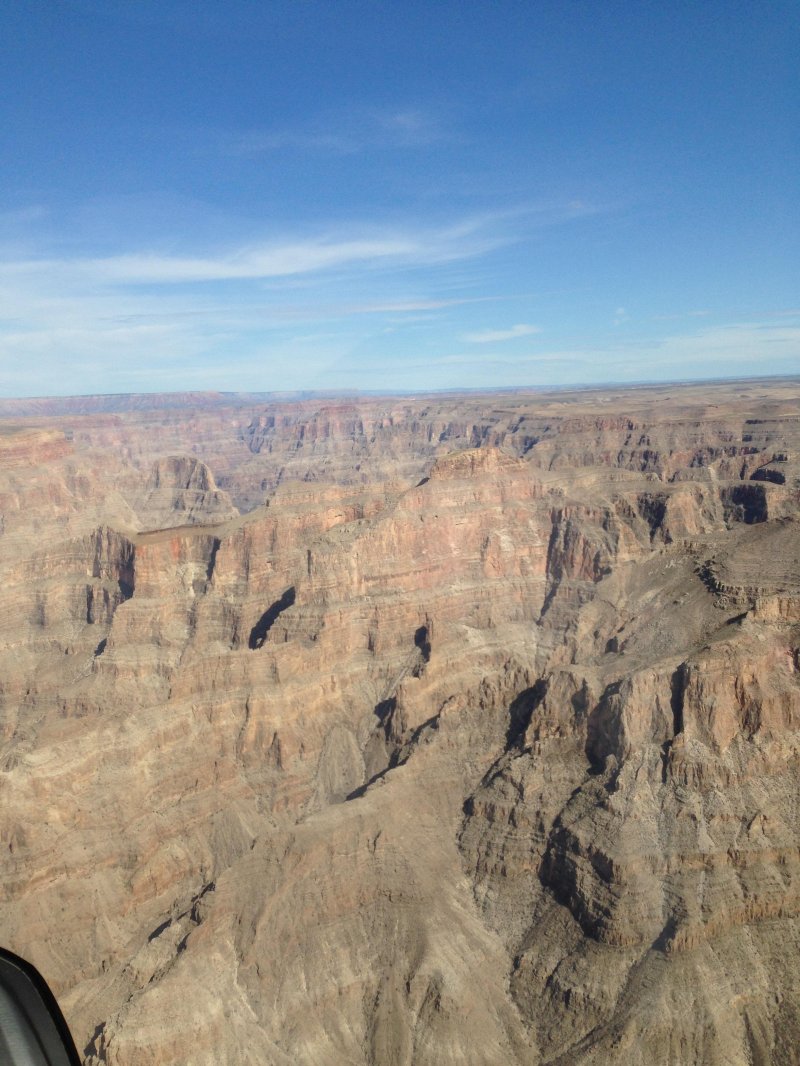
678,683
401,754
601,728
212,559
666,936
764,473
653,509
422,641
383,712
521,711
96,1046
746,503
258,634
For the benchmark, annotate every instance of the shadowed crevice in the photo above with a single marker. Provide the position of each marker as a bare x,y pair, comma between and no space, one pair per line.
521,711
677,691
677,682
212,559
383,712
258,634
126,588
422,641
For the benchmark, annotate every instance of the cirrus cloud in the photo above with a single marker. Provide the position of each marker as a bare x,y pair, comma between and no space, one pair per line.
493,336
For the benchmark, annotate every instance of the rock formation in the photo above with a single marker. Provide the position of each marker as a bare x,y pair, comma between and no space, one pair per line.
428,730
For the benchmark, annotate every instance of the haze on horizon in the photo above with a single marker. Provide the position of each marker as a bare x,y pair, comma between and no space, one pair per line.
395,196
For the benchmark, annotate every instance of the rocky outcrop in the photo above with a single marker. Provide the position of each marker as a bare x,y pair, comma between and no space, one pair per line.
20,447
181,491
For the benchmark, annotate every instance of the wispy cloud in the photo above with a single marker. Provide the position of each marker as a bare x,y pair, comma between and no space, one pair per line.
756,343
736,349
493,336
234,312
681,315
346,132
732,349
414,305
115,342
465,239
333,307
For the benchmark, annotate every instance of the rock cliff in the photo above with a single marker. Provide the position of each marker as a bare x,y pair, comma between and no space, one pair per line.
419,730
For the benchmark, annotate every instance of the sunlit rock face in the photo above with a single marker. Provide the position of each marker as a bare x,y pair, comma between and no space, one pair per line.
448,729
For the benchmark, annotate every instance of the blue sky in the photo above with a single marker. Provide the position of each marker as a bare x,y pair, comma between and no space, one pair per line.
396,195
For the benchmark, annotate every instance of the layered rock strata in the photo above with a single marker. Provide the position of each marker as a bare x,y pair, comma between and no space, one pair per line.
421,730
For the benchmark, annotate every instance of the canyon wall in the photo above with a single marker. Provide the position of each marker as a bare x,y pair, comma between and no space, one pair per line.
408,730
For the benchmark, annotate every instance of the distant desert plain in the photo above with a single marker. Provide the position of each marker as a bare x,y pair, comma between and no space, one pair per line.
406,731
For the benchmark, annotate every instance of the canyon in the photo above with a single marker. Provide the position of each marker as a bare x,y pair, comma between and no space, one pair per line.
427,729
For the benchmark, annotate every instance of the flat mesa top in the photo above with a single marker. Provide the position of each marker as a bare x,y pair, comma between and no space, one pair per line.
668,401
